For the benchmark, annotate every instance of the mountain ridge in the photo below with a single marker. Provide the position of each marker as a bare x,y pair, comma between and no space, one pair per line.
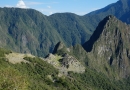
28,30
122,6
103,63
89,44
106,67
110,50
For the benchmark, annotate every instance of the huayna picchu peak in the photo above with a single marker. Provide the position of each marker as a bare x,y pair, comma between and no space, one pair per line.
108,48
89,44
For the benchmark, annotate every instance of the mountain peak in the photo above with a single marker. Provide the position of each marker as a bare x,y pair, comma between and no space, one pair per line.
60,49
89,44
109,46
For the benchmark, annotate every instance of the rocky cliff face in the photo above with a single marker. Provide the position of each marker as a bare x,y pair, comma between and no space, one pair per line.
108,48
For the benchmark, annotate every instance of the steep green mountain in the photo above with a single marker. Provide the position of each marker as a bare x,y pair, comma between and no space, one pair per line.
105,65
27,30
71,27
105,78
108,48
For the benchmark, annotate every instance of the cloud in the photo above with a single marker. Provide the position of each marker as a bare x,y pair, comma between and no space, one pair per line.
50,13
9,6
44,7
47,11
21,4
49,6
39,3
34,3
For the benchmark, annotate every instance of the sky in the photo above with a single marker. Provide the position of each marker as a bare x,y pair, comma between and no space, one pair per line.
48,7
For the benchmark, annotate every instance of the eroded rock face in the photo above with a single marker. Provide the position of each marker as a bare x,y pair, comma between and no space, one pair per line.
110,50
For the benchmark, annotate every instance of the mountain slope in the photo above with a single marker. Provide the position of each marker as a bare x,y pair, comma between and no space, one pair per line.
108,48
122,6
71,28
103,64
120,9
27,30
33,73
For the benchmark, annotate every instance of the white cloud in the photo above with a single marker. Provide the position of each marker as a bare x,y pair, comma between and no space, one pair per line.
47,11
51,13
9,6
21,4
44,7
39,3
49,6
34,3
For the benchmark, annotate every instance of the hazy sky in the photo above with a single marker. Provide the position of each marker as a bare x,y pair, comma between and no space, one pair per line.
48,7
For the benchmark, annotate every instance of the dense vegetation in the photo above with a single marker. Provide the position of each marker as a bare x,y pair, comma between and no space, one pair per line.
29,31
35,75
39,75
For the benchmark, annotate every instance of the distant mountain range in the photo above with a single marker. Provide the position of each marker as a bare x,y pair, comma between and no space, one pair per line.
27,30
120,9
